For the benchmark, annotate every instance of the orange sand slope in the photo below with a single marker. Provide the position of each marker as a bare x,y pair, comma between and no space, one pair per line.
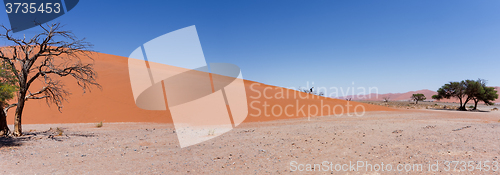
115,102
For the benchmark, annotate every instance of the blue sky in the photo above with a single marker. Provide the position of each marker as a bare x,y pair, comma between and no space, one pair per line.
394,45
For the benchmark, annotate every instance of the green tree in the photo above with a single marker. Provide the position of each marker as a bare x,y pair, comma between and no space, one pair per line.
467,90
483,93
454,90
7,90
418,97
474,90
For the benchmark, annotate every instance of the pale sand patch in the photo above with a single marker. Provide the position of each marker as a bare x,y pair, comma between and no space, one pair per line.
422,136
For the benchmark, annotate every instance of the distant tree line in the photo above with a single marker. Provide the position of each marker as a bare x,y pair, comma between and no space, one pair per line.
468,90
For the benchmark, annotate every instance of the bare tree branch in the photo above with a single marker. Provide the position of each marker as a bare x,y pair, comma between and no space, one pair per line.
8,107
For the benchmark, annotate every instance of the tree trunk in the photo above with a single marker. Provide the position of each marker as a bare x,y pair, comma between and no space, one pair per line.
462,107
475,104
18,131
4,129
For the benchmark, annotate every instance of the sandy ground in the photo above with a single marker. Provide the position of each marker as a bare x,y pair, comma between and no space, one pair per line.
273,147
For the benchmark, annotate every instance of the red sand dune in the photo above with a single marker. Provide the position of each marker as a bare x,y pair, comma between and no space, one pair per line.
115,102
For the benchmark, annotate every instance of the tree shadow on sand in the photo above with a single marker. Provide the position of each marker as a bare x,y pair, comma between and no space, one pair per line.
458,110
57,134
12,141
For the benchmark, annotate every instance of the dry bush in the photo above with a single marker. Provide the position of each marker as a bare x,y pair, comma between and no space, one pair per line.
99,124
59,131
211,132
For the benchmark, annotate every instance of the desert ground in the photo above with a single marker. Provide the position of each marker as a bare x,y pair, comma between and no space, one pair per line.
414,136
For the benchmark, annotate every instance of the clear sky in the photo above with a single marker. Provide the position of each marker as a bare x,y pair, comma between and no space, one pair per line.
394,45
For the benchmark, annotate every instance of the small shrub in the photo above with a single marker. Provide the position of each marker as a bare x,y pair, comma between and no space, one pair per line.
211,132
99,124
494,109
59,131
471,106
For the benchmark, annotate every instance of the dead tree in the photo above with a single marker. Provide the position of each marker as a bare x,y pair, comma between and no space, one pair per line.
386,99
46,57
